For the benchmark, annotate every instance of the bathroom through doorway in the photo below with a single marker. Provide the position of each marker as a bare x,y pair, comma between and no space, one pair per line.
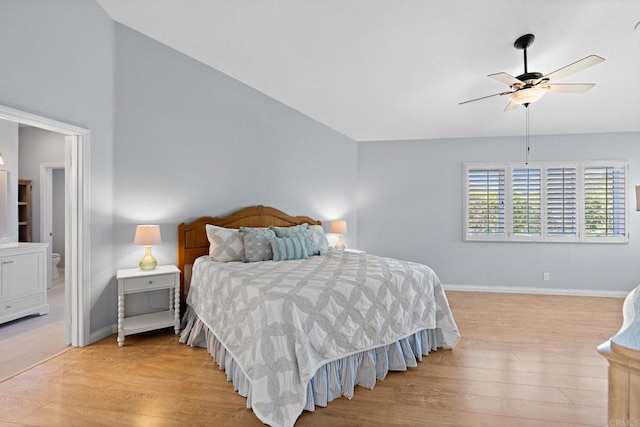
52,222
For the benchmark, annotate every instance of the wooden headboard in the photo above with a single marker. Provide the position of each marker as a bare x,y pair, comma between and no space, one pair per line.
193,242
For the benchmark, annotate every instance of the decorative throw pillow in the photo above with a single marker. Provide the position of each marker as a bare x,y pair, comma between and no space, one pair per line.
225,244
295,230
318,239
286,248
257,246
314,243
289,231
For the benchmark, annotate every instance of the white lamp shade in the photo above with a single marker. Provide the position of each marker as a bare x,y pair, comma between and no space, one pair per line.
147,235
528,96
339,227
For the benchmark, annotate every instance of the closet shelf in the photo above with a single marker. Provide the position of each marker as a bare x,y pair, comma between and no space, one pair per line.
24,213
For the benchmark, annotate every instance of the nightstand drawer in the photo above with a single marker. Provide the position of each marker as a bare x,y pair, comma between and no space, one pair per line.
137,284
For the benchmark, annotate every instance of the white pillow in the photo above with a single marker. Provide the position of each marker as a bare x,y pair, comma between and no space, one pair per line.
319,239
225,244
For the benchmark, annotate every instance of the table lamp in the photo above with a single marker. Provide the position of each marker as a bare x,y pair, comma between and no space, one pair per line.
339,227
147,235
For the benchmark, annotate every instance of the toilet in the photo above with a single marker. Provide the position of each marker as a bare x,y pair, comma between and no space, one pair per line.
55,259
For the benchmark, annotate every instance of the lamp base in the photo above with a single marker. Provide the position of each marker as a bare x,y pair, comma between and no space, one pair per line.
339,244
148,262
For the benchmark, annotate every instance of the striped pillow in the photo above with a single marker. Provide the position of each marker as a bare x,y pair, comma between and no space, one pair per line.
313,237
286,248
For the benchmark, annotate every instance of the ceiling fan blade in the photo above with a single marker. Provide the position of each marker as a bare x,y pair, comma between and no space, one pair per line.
570,87
587,62
506,78
511,106
485,97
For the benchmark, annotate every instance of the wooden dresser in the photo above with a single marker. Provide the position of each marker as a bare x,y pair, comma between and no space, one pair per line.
623,353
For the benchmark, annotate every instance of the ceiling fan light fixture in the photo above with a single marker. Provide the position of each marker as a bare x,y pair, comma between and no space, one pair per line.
528,95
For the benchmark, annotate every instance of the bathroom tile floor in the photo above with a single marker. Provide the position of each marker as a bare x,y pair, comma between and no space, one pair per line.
31,340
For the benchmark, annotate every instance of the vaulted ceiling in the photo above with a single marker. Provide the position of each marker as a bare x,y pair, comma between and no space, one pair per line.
397,69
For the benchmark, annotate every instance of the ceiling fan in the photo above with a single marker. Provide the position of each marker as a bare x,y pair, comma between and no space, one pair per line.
531,86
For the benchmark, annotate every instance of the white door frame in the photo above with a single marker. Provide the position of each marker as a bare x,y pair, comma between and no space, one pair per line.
77,242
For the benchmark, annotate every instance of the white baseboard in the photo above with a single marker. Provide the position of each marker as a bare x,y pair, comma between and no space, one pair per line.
103,333
540,291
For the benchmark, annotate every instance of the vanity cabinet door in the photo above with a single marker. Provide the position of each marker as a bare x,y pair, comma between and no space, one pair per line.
21,275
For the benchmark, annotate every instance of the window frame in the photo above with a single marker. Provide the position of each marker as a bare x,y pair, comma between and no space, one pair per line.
509,211
580,236
608,239
489,237
578,208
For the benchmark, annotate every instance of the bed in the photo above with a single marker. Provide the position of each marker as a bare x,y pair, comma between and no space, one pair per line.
295,334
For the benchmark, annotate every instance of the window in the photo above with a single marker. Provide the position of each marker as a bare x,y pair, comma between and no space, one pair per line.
604,201
485,202
551,202
561,200
526,202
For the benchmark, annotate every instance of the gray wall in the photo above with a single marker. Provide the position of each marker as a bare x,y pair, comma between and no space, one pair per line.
9,152
410,207
171,139
57,61
38,146
191,141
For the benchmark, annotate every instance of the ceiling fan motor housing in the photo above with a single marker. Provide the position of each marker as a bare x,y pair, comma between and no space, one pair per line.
530,80
529,76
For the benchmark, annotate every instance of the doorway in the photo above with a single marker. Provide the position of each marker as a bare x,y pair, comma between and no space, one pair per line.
76,164
51,200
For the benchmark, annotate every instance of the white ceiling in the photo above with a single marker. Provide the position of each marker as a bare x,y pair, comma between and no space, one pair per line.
397,69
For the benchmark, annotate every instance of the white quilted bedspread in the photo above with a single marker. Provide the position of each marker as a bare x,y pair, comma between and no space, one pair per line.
281,321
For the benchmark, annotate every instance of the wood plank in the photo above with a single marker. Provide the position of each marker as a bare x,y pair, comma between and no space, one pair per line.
586,397
540,367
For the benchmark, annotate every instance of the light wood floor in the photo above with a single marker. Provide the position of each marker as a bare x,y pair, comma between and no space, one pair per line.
523,361
30,340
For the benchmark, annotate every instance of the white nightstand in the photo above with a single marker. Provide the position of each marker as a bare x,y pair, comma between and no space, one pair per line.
132,280
355,251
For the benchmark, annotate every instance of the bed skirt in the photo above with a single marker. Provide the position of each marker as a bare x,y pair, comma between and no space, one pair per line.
335,379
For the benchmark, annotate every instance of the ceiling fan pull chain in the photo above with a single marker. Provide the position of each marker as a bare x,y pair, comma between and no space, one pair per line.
526,107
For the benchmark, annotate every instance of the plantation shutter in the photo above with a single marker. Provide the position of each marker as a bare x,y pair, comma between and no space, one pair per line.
561,202
485,202
526,207
579,201
604,201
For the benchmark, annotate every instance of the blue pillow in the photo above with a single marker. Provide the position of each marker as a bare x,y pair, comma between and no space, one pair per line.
257,246
305,232
286,248
290,231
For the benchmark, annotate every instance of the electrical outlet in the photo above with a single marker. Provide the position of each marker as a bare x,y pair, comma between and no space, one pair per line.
546,277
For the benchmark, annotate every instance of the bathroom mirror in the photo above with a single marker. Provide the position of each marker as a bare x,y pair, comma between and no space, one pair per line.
3,201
